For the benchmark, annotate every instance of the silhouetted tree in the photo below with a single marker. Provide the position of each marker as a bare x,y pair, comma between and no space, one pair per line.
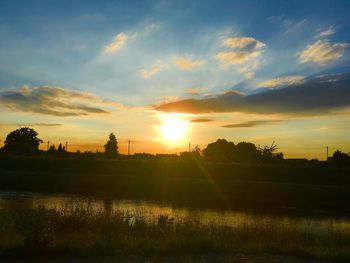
52,149
59,152
61,149
111,147
268,153
242,152
22,141
245,152
340,158
219,150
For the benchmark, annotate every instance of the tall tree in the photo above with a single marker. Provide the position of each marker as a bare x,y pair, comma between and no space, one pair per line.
22,141
220,150
111,147
246,152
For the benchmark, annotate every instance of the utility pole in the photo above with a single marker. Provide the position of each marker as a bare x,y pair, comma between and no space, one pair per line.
189,147
327,153
48,145
129,147
66,146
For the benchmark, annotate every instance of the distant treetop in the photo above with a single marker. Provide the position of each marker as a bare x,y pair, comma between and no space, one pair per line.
223,150
111,147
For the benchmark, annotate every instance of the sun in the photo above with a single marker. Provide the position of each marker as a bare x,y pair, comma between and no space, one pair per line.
173,128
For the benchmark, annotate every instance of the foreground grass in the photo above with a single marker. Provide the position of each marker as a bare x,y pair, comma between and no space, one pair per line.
45,233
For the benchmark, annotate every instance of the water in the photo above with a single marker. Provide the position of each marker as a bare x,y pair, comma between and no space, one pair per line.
150,211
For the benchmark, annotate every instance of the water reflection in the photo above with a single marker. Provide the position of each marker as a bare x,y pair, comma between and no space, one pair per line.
16,200
151,212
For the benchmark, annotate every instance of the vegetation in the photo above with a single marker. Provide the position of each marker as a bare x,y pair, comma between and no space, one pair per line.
23,141
41,232
111,147
339,158
222,150
59,152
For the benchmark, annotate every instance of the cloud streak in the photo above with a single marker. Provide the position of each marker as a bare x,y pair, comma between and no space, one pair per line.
41,124
281,81
322,52
122,38
236,57
315,97
155,69
117,43
328,32
249,124
243,43
201,120
188,64
54,101
193,91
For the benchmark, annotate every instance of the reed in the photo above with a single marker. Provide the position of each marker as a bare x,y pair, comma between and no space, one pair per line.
44,233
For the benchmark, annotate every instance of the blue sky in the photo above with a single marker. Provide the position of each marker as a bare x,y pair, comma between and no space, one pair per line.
141,53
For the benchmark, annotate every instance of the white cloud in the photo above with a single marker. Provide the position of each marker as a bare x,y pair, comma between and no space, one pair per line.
155,69
245,52
243,42
188,64
326,33
236,57
287,80
322,52
117,43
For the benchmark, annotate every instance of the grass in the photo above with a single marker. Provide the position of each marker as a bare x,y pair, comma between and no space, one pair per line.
48,233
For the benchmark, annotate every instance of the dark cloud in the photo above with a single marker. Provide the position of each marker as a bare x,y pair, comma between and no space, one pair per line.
201,120
248,124
316,96
53,101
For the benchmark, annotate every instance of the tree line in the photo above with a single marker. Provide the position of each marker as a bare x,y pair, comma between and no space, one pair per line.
25,141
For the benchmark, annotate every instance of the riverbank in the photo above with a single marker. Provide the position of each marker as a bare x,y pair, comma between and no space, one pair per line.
204,258
43,233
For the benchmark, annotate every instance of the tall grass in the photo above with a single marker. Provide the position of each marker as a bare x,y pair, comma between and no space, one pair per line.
41,232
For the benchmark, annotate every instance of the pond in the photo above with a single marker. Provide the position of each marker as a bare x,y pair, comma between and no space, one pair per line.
151,212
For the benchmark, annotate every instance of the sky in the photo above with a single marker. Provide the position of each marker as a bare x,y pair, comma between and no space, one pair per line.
165,73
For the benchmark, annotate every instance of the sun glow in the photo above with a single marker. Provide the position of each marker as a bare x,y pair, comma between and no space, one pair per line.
173,128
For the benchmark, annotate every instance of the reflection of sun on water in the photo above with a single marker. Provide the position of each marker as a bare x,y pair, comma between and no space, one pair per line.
173,127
